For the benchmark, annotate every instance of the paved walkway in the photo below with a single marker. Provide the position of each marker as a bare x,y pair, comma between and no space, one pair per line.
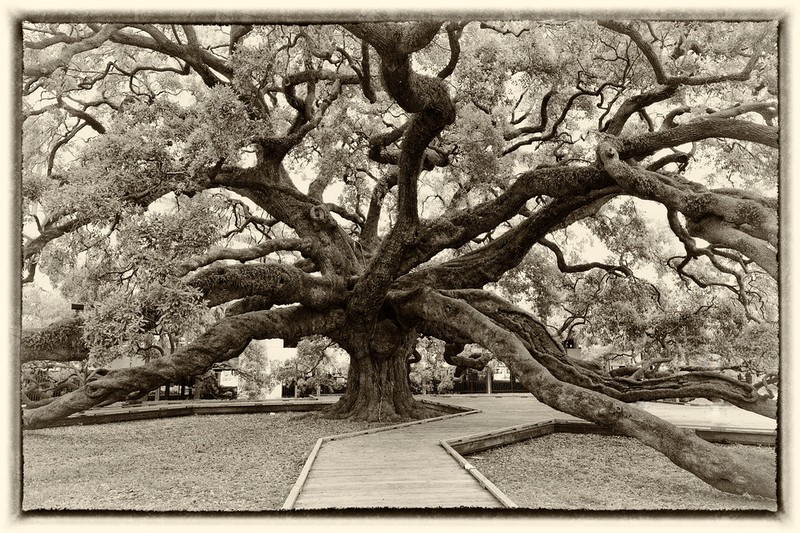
406,467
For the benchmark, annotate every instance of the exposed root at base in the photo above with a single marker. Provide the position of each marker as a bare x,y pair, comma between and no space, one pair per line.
380,413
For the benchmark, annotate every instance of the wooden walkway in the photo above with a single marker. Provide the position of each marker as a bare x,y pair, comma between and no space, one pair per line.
407,467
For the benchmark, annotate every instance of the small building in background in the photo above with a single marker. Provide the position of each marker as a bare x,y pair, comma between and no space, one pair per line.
275,351
500,372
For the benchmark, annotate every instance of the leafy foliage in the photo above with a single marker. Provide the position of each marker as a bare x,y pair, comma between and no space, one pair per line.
255,379
164,149
317,363
431,374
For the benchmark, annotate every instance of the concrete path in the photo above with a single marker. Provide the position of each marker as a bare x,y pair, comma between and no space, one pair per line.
406,467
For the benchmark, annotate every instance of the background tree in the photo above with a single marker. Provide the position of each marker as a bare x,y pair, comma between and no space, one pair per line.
369,181
316,364
255,379
431,374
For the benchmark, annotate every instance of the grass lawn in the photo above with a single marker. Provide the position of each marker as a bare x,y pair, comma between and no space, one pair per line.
249,462
241,462
592,472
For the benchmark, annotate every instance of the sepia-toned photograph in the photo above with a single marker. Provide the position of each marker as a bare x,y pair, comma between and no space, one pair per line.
444,262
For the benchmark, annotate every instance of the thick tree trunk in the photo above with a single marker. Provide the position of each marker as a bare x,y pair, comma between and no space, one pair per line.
378,389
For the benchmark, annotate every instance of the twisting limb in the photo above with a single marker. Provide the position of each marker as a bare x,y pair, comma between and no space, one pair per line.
728,128
270,187
369,233
242,254
694,251
553,133
281,283
427,98
636,104
538,128
81,114
720,468
503,31
66,54
618,270
366,76
658,69
200,59
222,342
681,159
454,30
488,263
696,204
550,353
767,110
722,233
73,131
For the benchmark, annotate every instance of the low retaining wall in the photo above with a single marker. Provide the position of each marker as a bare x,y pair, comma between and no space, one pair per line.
107,415
471,444
484,441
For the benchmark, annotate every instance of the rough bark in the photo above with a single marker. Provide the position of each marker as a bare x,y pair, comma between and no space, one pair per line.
718,467
717,231
277,282
222,342
378,389
694,200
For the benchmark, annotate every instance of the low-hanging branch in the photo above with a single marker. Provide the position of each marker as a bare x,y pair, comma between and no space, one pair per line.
221,342
446,313
549,352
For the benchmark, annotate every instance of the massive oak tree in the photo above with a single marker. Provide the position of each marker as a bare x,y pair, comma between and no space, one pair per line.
375,182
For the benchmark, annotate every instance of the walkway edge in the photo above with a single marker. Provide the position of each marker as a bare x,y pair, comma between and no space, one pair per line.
483,480
509,435
291,499
301,479
478,442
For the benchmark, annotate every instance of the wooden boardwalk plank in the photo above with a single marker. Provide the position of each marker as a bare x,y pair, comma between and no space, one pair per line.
407,468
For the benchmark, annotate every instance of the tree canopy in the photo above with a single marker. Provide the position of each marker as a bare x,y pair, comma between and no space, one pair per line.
506,184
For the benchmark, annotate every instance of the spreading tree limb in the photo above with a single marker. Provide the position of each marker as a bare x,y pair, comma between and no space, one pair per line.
718,467
223,341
